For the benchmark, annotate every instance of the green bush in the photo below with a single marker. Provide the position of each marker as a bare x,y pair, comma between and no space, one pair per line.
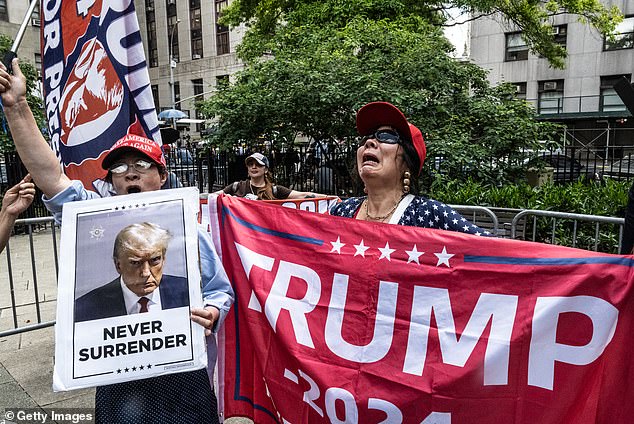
604,198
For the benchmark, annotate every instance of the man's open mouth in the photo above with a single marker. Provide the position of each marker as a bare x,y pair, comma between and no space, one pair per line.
134,189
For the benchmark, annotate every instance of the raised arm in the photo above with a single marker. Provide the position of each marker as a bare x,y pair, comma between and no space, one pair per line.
34,151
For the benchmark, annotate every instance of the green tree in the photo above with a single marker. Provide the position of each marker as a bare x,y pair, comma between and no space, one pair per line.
31,74
316,76
533,17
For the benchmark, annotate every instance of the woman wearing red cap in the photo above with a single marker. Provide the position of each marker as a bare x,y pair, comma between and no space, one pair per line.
389,160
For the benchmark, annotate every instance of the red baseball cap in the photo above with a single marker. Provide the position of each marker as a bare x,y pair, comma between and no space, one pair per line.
376,114
135,143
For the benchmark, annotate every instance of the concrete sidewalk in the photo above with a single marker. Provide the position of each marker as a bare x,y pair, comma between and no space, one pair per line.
26,359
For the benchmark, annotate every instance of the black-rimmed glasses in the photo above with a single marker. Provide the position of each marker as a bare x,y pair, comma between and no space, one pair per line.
382,136
140,166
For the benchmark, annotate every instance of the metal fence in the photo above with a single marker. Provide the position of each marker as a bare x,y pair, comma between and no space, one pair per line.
330,168
29,271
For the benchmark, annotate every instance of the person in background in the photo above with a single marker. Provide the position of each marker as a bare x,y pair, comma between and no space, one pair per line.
389,160
260,185
135,164
16,200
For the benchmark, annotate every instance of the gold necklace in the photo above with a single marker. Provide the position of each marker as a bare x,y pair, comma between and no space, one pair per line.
382,217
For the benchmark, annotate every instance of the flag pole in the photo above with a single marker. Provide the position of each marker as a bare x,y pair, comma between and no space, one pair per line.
11,54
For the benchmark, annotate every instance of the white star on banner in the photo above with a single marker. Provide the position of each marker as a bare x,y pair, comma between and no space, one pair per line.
337,245
361,248
386,252
413,255
443,257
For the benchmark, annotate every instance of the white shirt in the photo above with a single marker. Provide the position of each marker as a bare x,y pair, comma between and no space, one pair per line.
132,305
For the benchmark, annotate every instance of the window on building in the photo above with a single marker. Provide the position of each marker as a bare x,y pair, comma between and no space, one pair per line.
550,97
198,91
37,59
610,100
195,24
172,30
520,90
150,18
222,80
560,32
516,48
624,38
222,32
4,13
155,94
35,16
177,95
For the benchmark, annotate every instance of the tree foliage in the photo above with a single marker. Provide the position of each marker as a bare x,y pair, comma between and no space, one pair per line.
31,74
315,77
533,17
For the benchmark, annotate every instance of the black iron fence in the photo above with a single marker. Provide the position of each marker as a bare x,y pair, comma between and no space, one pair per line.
331,169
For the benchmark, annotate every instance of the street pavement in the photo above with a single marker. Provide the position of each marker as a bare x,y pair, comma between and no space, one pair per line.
26,359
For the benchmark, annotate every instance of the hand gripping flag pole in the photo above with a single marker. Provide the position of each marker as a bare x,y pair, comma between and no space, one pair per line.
11,54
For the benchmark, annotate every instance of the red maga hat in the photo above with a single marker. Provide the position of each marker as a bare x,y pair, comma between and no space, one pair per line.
138,144
376,114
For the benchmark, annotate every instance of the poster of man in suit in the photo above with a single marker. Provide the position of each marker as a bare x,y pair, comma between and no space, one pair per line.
128,279
138,255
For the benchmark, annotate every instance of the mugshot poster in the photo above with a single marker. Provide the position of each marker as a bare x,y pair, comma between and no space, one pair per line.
116,251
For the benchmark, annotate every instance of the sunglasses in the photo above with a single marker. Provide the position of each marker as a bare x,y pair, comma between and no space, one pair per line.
382,136
140,166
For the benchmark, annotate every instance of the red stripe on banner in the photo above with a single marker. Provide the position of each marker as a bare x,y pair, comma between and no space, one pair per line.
340,320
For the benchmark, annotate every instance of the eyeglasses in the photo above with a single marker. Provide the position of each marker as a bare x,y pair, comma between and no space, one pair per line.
382,136
140,166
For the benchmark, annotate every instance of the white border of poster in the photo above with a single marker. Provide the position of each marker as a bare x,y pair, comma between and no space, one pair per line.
126,347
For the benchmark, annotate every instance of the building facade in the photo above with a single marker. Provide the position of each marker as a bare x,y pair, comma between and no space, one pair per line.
582,95
11,16
202,52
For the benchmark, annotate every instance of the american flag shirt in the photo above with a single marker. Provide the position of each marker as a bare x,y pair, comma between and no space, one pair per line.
421,212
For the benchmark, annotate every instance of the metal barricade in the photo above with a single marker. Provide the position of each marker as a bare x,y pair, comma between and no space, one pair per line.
28,299
536,230
481,216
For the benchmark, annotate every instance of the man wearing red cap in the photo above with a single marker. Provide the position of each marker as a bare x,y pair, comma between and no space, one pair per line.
134,164
390,157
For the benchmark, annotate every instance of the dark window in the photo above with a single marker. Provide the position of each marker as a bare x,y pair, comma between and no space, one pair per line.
222,32
4,13
520,90
551,97
624,36
516,48
610,101
155,94
198,91
172,30
35,17
196,32
177,95
222,80
38,63
151,34
560,32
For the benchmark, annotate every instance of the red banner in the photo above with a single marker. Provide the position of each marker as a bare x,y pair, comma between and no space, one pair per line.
339,320
96,83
